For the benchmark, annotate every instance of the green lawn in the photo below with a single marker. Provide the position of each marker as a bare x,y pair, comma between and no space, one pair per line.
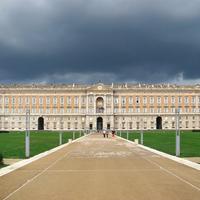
165,141
12,144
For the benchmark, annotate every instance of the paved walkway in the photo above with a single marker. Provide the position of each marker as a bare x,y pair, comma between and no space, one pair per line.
96,168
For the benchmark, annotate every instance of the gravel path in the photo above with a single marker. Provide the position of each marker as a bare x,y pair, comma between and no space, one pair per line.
96,168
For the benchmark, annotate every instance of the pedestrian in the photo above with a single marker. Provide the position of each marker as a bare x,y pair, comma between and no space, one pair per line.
113,133
107,133
104,133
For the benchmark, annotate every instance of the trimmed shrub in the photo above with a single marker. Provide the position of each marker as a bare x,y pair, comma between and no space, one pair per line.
1,159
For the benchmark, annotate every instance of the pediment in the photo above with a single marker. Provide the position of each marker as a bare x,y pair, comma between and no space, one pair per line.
99,87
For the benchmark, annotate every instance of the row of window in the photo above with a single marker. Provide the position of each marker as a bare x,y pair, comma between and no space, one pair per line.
123,125
166,125
157,110
54,99
82,99
158,99
41,100
48,110
53,125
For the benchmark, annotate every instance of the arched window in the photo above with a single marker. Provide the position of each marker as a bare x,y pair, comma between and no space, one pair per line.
99,105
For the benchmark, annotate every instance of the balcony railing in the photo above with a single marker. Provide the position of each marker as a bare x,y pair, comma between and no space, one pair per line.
100,110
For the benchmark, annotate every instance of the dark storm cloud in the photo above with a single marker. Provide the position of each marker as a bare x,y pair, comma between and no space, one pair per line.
89,40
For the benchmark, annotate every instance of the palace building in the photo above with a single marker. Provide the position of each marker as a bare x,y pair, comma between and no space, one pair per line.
99,106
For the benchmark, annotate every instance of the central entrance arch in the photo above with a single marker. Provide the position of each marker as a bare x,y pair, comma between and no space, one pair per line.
99,123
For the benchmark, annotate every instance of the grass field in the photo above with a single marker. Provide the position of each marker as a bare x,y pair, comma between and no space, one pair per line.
165,141
12,144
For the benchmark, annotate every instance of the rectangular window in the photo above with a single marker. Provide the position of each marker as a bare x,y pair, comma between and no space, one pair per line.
137,100
152,125
130,110
151,100
61,100
83,99
54,100
186,124
193,109
91,110
54,110
144,110
137,110
108,99
33,100
159,110
116,100
27,100
186,100
123,110
76,110
193,99
47,110
68,110
144,100
41,110
68,125
130,99
6,110
91,98
138,125
6,100
158,100
173,99
166,100
123,100
186,109
61,110
47,100
83,110
13,100
173,109
40,100
179,99
76,100
115,110
130,125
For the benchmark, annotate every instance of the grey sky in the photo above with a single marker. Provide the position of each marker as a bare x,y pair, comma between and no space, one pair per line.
108,40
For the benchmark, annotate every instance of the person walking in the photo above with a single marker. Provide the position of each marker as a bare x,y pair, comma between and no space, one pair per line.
104,133
107,133
113,133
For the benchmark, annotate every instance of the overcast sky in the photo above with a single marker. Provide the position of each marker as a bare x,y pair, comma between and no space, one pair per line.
85,41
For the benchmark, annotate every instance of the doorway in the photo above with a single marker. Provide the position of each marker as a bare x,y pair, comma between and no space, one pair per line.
40,123
159,123
99,123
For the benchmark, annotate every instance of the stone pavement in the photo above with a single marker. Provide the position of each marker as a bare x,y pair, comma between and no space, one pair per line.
97,168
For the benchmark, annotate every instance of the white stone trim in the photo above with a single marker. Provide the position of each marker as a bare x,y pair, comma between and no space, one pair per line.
174,158
24,162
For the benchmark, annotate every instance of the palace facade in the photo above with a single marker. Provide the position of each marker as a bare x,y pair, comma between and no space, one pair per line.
99,106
